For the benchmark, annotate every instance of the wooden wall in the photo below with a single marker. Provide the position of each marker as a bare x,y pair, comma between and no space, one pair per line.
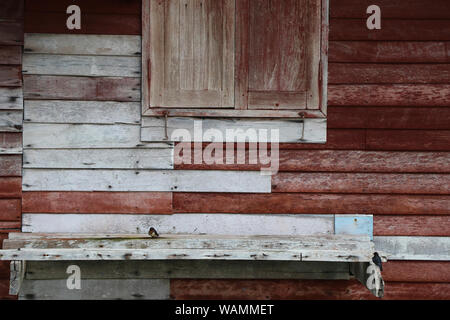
388,149
11,106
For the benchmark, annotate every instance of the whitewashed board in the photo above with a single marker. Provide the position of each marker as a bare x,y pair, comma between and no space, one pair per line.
146,180
11,99
211,224
86,112
11,120
414,248
110,45
85,136
314,131
157,158
80,65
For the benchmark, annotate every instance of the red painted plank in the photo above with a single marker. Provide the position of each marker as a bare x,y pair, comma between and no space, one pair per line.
4,290
424,95
392,30
10,187
337,139
364,161
11,9
10,165
417,271
11,33
388,52
408,140
132,7
372,183
358,73
388,118
11,54
81,88
52,22
411,225
98,202
297,203
411,9
9,226
301,290
10,76
10,209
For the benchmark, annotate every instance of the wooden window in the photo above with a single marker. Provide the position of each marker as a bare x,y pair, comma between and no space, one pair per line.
235,58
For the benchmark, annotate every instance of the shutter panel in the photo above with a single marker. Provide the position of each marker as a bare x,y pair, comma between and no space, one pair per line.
192,53
279,63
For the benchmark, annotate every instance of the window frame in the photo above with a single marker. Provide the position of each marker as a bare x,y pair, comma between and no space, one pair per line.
320,113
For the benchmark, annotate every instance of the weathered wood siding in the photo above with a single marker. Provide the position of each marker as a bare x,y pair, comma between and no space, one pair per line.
11,114
387,150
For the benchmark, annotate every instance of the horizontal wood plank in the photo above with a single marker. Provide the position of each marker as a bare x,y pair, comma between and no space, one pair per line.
411,225
414,9
87,112
73,44
311,203
132,7
359,73
10,165
10,76
10,55
301,290
417,271
11,9
389,95
56,136
11,209
140,180
134,159
11,120
81,65
97,202
193,224
10,142
414,248
391,30
372,183
10,187
408,140
11,98
94,23
81,88
389,52
337,139
11,33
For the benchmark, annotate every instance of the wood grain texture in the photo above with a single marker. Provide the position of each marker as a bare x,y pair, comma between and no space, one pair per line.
408,140
358,73
389,52
11,209
415,9
11,33
74,44
145,180
132,7
392,30
10,142
94,23
337,139
97,202
389,95
10,187
301,290
11,98
10,165
81,88
417,271
10,76
311,204
11,120
11,55
411,226
373,183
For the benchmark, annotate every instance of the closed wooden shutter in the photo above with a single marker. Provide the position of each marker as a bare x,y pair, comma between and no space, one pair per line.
192,53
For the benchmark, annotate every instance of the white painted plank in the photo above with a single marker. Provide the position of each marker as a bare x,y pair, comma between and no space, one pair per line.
84,136
138,180
4,151
78,65
84,112
111,45
11,99
211,224
414,248
153,129
158,158
11,120
97,289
